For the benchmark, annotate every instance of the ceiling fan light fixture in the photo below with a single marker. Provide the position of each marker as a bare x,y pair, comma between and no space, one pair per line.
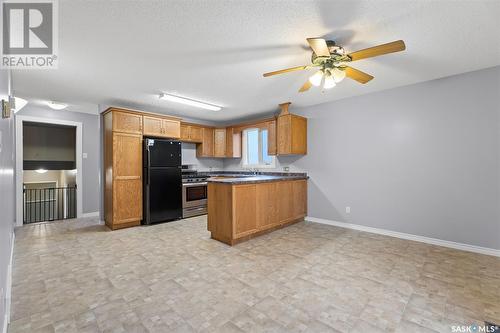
316,78
338,75
329,82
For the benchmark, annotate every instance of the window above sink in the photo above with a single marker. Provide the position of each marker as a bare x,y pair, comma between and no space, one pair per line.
254,149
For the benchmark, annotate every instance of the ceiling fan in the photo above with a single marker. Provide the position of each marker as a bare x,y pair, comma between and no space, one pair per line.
332,61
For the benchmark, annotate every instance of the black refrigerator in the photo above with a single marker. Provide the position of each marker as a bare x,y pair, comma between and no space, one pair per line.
162,180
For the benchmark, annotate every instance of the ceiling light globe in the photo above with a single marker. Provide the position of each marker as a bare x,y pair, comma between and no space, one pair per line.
329,82
56,106
338,75
316,78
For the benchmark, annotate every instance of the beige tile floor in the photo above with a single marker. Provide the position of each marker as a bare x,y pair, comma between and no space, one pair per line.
75,276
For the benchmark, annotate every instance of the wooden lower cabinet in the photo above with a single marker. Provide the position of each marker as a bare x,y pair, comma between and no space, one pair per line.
244,208
267,205
127,209
241,211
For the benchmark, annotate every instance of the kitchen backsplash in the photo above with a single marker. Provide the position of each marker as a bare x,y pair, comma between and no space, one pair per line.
281,162
233,164
201,164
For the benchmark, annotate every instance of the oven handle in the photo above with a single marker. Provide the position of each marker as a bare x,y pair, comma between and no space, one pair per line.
194,184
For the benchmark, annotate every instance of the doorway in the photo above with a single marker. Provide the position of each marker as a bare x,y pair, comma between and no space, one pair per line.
48,170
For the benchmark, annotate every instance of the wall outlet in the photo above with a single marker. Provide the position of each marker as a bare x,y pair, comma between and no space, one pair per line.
348,210
286,169
84,155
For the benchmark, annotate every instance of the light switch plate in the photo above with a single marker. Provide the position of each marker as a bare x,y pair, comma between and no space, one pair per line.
84,155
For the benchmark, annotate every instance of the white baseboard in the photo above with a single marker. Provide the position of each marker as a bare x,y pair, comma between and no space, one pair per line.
8,287
422,239
92,214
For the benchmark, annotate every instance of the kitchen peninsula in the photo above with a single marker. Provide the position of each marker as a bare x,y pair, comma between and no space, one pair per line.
244,206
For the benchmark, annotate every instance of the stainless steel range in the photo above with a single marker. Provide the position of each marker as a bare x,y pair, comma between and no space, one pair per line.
194,194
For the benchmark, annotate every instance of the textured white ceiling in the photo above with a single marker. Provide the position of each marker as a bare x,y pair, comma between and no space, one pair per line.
127,52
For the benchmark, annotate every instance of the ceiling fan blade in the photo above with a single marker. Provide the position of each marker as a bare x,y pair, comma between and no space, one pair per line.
281,71
318,45
306,86
357,75
370,52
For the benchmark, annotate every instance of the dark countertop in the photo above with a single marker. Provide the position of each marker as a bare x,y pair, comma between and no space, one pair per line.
238,177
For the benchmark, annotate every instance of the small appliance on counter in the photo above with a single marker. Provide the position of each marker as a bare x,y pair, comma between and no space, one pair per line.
194,192
162,180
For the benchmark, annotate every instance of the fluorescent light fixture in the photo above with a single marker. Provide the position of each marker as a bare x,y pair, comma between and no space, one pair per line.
191,102
41,170
18,104
57,106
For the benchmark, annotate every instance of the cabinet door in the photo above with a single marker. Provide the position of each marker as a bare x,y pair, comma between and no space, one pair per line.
233,143
196,134
152,126
220,142
206,148
229,142
127,201
244,210
285,202
267,205
298,135
299,194
284,141
127,156
171,128
127,178
185,132
271,138
127,122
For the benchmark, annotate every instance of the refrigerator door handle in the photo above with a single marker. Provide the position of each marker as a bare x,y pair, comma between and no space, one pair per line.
148,158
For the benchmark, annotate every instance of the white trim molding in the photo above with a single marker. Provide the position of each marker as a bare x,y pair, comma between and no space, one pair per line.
19,161
8,287
91,214
416,238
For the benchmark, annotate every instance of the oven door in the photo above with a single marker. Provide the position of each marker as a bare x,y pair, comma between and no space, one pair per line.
194,194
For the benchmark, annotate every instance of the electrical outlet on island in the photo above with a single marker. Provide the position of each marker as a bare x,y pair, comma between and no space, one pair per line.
286,169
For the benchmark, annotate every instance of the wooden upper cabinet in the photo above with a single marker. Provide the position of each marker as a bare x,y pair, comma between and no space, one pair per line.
191,133
161,127
171,128
152,126
206,148
185,129
196,134
220,142
233,143
291,135
271,138
127,122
